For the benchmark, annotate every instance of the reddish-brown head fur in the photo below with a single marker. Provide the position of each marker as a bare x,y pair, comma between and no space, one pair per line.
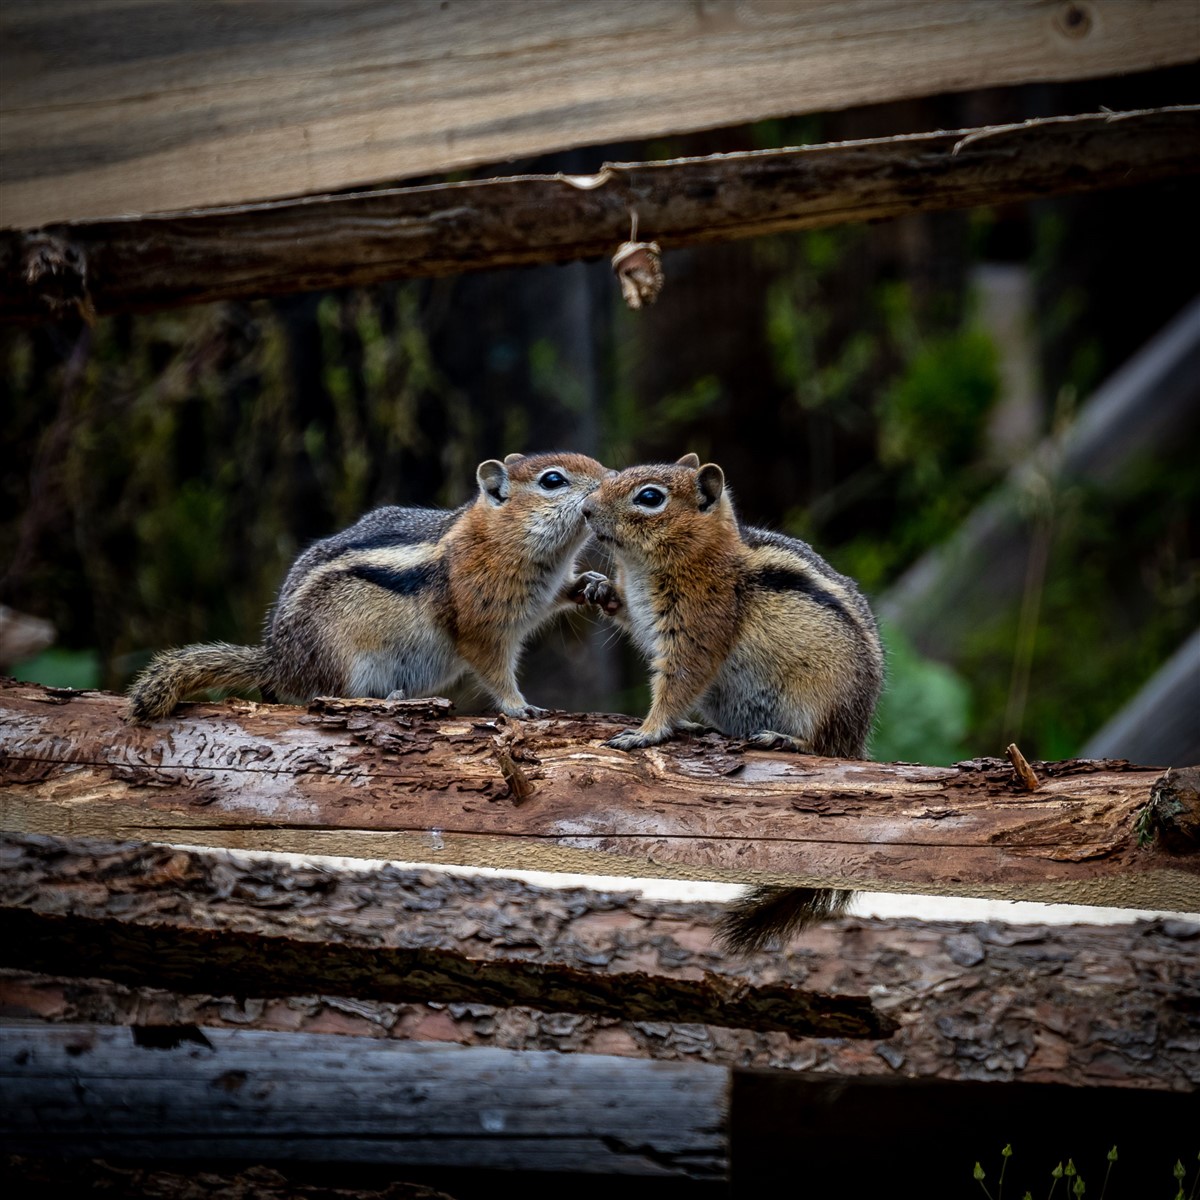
664,512
521,533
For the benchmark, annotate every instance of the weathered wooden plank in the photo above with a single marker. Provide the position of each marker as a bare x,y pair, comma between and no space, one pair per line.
333,241
1082,1006
226,1093
363,779
111,108
203,921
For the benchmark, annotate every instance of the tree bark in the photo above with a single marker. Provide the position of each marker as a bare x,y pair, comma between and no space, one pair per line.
180,919
143,263
409,783
227,940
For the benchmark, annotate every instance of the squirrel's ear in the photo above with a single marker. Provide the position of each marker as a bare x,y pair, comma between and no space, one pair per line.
493,481
509,459
711,483
688,460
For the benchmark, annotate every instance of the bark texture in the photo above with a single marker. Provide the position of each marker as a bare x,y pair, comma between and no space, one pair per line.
410,783
1089,1006
315,242
203,921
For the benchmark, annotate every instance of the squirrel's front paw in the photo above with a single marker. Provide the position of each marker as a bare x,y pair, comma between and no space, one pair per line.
523,712
597,589
637,739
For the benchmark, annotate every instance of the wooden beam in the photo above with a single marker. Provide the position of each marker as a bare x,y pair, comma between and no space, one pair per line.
245,1094
333,241
111,108
1082,1006
199,921
407,783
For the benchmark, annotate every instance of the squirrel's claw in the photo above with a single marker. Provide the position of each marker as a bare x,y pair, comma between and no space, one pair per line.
768,739
599,590
637,739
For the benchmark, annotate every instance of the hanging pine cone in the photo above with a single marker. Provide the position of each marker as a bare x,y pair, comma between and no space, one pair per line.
638,266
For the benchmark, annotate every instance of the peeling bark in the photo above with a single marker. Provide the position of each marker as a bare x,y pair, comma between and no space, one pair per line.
201,921
410,783
1090,1006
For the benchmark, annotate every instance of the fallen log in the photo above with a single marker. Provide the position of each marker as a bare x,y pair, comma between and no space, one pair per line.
306,243
411,783
201,921
1085,1006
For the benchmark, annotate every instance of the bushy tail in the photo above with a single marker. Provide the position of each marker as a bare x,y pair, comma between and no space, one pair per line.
766,913
175,674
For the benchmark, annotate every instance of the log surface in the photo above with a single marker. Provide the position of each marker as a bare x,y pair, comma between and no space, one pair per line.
248,1094
1087,1006
410,783
440,229
203,921
111,108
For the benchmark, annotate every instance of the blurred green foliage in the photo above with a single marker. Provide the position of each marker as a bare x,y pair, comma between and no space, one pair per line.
1113,608
162,471
61,669
924,714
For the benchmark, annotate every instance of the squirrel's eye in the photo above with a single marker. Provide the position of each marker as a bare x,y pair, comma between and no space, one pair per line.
553,479
650,497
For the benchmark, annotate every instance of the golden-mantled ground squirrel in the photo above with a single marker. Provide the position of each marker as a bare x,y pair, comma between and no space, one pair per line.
752,629
406,600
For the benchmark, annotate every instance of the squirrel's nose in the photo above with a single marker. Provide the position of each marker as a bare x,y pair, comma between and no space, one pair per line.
589,507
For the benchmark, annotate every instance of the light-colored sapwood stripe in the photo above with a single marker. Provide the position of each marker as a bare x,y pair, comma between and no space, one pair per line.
886,905
111,108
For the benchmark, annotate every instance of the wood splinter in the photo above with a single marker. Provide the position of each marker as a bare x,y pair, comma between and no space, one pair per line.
1024,771
508,748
